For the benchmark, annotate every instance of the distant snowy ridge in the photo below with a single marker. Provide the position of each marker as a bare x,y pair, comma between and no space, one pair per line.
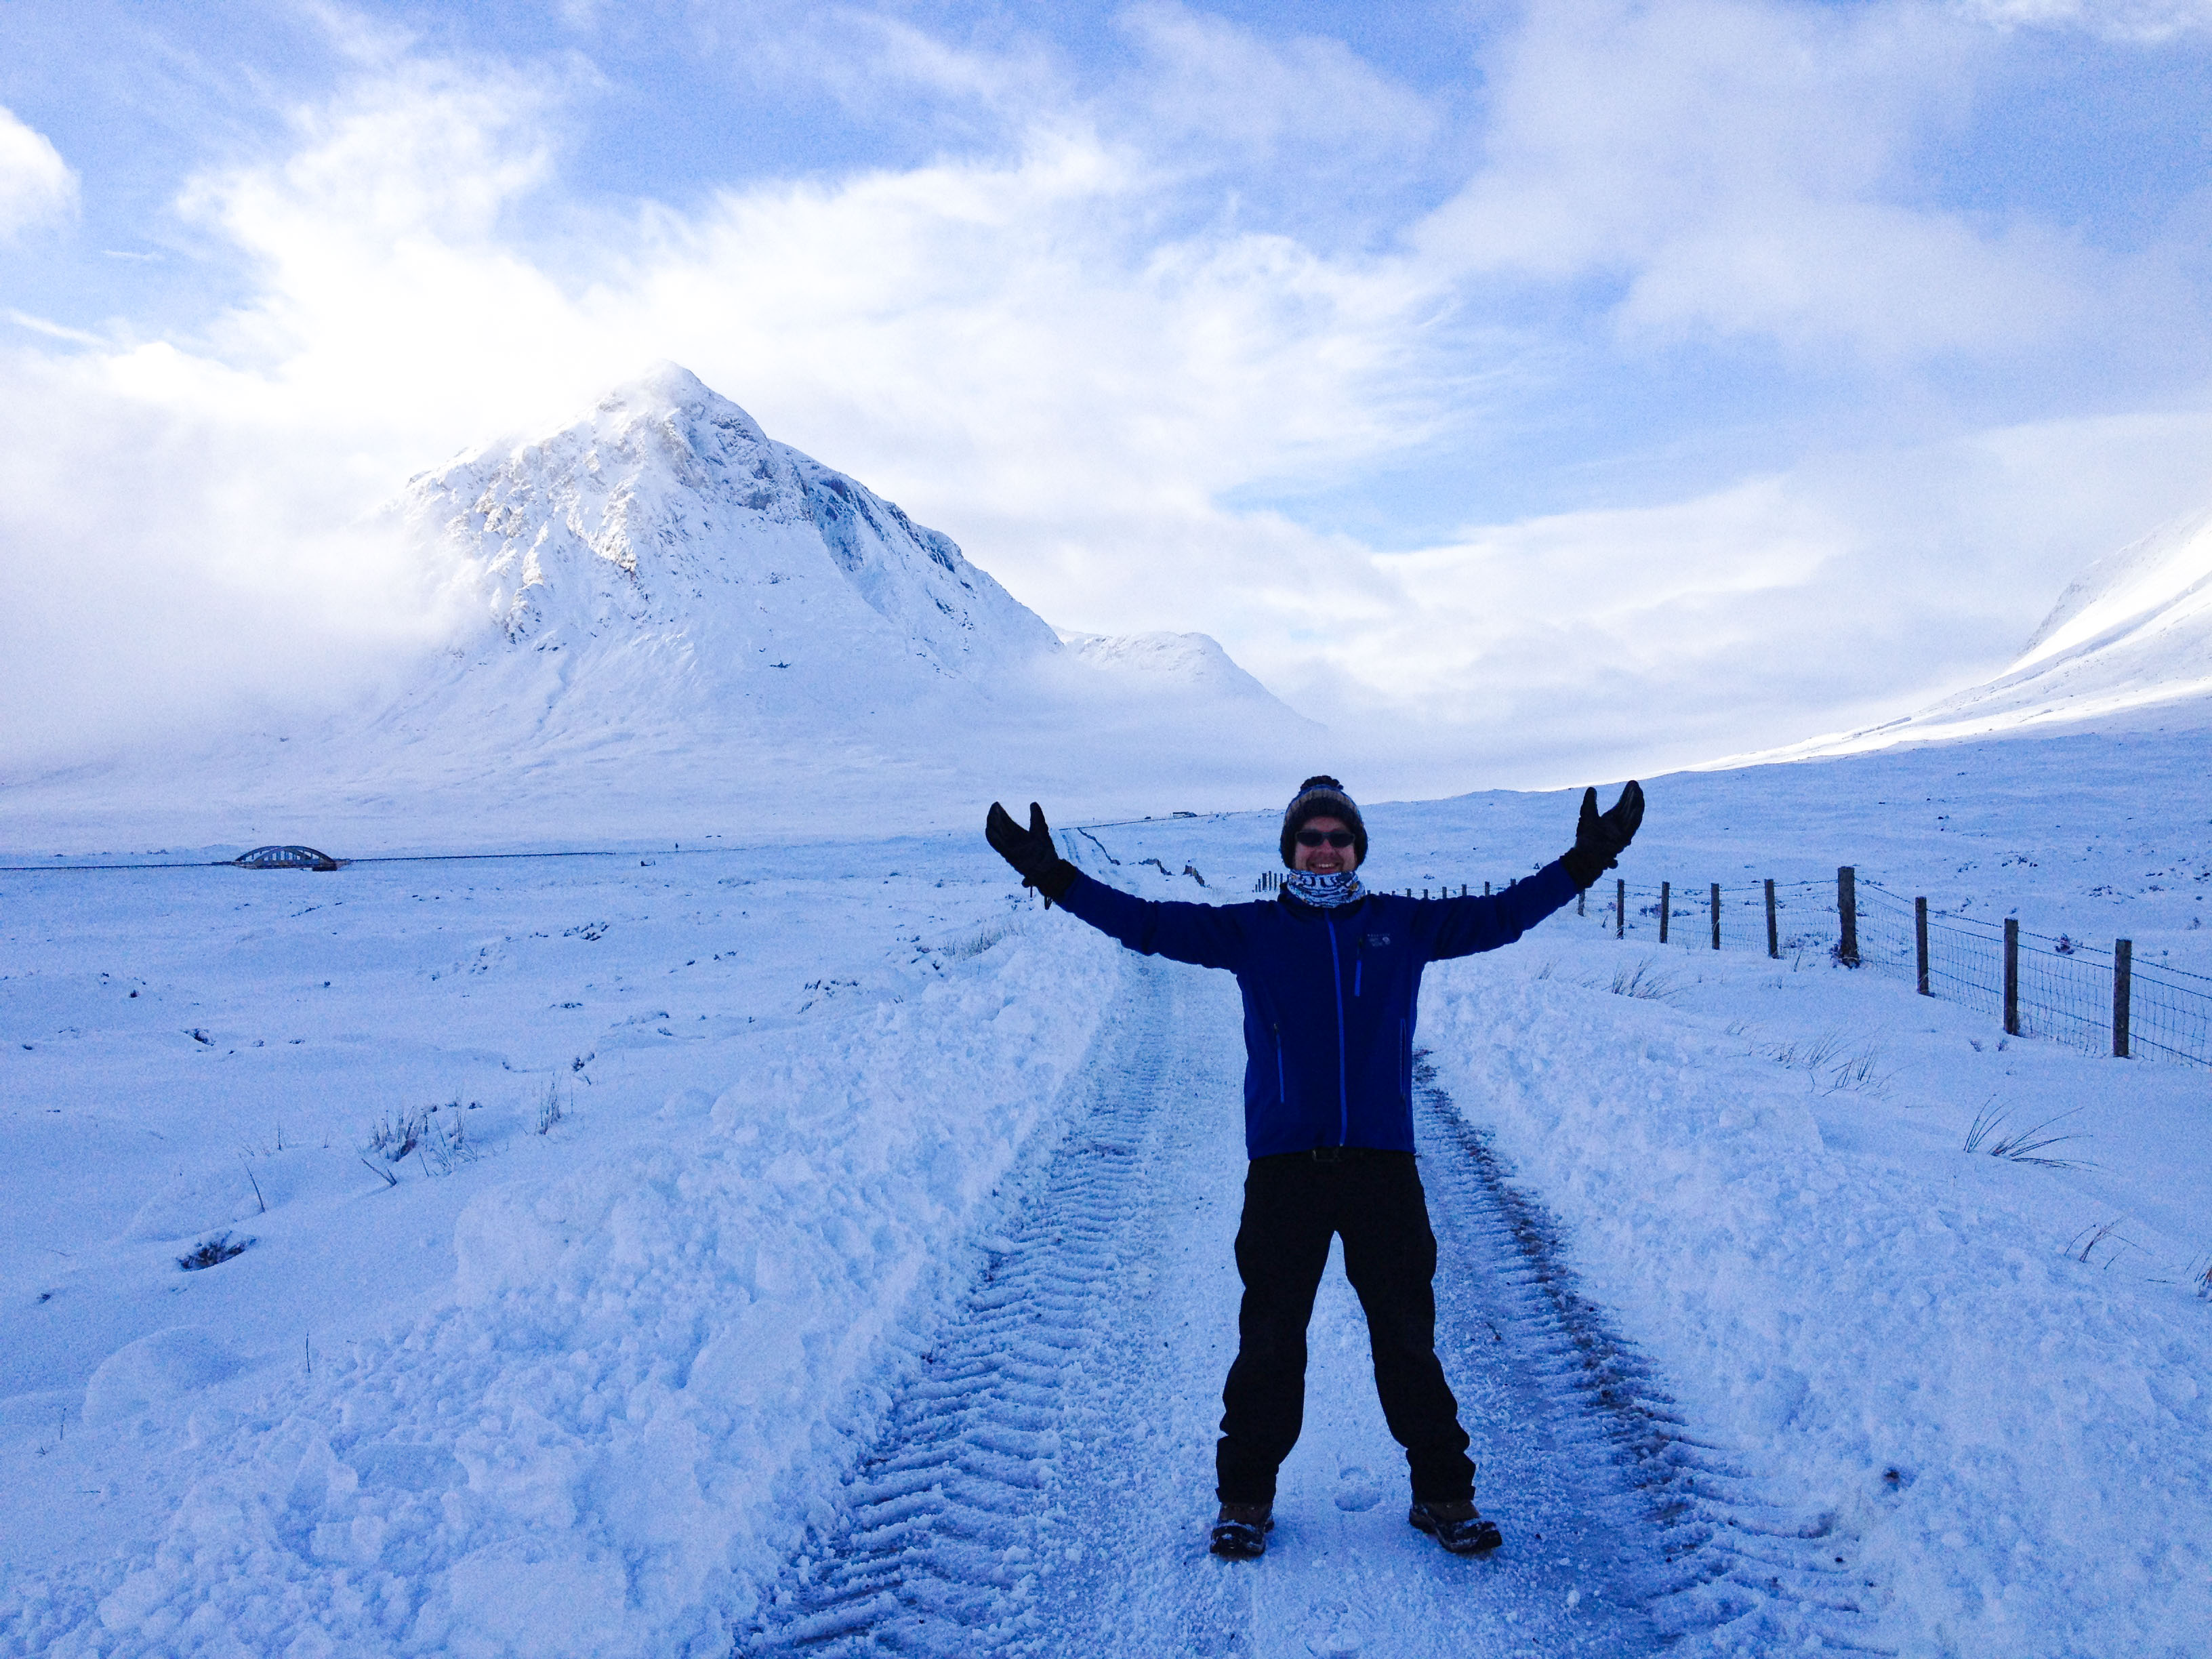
2150,602
1169,661
2132,633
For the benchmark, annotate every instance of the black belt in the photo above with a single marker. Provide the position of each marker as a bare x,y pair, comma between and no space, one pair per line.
1334,1154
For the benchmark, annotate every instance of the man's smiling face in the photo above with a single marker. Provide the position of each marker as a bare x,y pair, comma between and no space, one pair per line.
1316,851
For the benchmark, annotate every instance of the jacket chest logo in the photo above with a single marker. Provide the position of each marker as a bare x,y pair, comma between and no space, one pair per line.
1376,941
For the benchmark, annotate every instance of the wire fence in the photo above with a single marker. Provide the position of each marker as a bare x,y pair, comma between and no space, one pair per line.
2098,1000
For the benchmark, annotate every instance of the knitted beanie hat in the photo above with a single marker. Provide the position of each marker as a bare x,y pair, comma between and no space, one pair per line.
1322,797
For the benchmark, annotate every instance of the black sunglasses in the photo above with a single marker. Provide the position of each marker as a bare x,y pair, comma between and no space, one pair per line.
1324,837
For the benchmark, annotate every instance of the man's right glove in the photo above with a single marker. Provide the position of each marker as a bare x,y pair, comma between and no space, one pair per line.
1601,837
1030,851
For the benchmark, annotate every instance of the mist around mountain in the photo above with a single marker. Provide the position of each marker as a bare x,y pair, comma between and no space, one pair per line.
660,619
2128,644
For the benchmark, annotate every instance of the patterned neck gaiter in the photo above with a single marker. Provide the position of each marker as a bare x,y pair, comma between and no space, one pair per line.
1324,891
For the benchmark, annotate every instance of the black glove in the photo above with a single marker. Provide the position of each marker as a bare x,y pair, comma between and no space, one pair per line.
1030,851
1601,837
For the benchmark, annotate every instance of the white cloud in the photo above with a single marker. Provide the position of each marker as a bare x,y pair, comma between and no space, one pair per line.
1002,345
1250,96
164,571
36,184
1747,169
1853,588
1031,347
1008,330
2116,20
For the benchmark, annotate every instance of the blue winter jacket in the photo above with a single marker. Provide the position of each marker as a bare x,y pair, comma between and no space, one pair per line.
1329,995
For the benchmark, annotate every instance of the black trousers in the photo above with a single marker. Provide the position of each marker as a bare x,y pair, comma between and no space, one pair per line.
1293,1204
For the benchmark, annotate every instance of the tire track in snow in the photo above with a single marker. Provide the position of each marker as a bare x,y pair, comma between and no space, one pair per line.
1042,1482
1739,1571
971,1529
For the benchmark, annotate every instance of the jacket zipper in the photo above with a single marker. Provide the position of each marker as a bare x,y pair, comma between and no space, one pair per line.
1336,986
1282,1078
1357,963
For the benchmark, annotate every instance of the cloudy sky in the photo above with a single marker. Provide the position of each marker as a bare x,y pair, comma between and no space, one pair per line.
1542,389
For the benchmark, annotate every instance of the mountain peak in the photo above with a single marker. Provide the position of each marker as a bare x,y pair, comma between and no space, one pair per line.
668,389
666,512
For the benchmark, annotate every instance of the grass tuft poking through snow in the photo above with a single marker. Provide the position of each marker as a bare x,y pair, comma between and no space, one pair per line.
447,1147
2090,1237
550,1108
1645,979
2022,1145
439,1148
396,1135
1835,1066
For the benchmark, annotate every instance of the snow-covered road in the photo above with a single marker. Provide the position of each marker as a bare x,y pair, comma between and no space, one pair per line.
1042,1483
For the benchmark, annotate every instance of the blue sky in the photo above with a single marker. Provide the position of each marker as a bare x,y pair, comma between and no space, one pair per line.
1583,385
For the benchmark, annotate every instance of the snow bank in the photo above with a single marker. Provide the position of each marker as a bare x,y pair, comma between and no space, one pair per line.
2006,1443
648,1370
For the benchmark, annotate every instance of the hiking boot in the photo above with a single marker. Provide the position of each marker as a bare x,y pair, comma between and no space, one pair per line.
1240,1530
1455,1526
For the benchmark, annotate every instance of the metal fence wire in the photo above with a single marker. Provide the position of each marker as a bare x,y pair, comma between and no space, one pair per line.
1805,915
2169,1019
2063,989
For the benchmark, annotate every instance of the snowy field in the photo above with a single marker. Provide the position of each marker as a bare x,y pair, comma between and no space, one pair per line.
825,1244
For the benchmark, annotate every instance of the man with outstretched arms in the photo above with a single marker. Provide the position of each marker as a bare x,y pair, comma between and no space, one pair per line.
1331,975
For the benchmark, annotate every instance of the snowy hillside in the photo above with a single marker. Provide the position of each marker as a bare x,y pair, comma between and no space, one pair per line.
2129,642
664,619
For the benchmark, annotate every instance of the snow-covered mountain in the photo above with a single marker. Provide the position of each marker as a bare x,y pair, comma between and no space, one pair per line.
2130,637
664,616
662,580
2135,627
666,511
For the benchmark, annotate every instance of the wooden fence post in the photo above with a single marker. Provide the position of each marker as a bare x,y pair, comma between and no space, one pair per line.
1717,915
1773,933
1581,893
2124,976
1920,942
1620,908
2012,977
1666,907
1847,907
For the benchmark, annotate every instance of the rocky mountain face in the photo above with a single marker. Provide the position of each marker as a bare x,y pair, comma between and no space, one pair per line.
666,514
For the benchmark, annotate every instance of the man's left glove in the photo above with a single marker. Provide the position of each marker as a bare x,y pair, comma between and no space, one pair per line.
1030,851
1601,837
